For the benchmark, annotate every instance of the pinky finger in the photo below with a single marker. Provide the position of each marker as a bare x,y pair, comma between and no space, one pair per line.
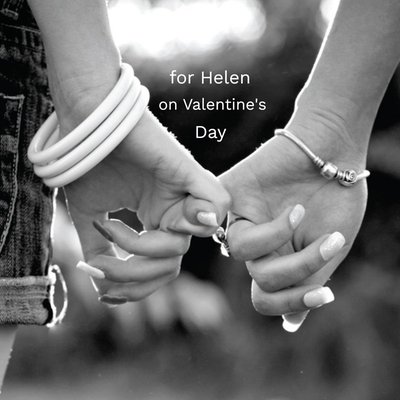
123,293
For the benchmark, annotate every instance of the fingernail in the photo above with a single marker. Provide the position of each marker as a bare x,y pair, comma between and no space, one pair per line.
293,325
103,230
92,271
318,297
332,245
113,300
296,215
207,218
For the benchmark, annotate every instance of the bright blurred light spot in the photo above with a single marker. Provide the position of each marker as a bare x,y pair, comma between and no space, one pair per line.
244,20
174,26
328,9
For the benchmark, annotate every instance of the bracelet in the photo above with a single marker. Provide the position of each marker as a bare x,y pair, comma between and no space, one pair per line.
347,177
106,147
36,152
90,143
60,162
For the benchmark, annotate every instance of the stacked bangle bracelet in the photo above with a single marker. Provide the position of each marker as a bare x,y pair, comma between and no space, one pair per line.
347,177
61,161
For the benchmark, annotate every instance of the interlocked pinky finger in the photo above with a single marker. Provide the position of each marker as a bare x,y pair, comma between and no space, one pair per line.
291,300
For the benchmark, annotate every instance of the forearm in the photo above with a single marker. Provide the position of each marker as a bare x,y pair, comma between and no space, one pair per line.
353,69
82,58
76,33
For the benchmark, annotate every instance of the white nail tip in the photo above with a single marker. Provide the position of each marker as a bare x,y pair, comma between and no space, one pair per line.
290,327
318,297
207,218
332,245
296,215
92,271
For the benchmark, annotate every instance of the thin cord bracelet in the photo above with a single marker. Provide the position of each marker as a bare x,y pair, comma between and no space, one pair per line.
347,177
92,141
106,147
36,152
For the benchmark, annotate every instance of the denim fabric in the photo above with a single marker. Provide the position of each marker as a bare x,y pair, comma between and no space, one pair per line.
26,205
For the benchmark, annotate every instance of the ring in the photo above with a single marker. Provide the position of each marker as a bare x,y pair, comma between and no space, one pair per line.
237,219
221,237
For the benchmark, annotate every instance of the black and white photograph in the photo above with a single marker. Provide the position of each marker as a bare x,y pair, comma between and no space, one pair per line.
199,199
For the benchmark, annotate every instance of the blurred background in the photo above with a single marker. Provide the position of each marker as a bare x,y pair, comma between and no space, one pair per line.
199,338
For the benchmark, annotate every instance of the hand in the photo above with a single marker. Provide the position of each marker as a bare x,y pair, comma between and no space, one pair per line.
152,174
284,251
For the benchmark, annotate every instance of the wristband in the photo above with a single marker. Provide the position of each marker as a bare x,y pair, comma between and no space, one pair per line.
61,161
36,152
106,147
347,177
92,141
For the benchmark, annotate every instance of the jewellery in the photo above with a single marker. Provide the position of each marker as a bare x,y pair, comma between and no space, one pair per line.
54,271
106,147
92,141
36,152
220,237
60,162
347,177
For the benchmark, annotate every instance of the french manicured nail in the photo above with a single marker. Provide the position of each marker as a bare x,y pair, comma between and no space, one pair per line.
318,297
332,245
113,300
292,325
207,218
296,215
103,230
92,271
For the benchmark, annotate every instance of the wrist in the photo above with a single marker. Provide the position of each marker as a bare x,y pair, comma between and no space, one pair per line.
336,131
77,95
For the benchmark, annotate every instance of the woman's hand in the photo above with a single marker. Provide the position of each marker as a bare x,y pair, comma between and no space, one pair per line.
295,227
152,174
149,173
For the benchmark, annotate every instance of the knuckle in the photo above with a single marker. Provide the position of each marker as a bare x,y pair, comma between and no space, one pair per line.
264,281
174,273
291,305
262,302
263,305
269,284
310,267
237,249
183,246
283,234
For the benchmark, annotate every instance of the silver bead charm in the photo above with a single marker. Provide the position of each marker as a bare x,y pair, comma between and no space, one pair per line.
329,170
348,177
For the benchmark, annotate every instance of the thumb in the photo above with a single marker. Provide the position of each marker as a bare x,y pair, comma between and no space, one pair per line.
203,210
192,216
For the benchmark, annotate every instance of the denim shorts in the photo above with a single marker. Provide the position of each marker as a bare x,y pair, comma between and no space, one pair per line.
26,205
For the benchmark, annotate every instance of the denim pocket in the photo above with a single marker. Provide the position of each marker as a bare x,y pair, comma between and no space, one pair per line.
10,124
